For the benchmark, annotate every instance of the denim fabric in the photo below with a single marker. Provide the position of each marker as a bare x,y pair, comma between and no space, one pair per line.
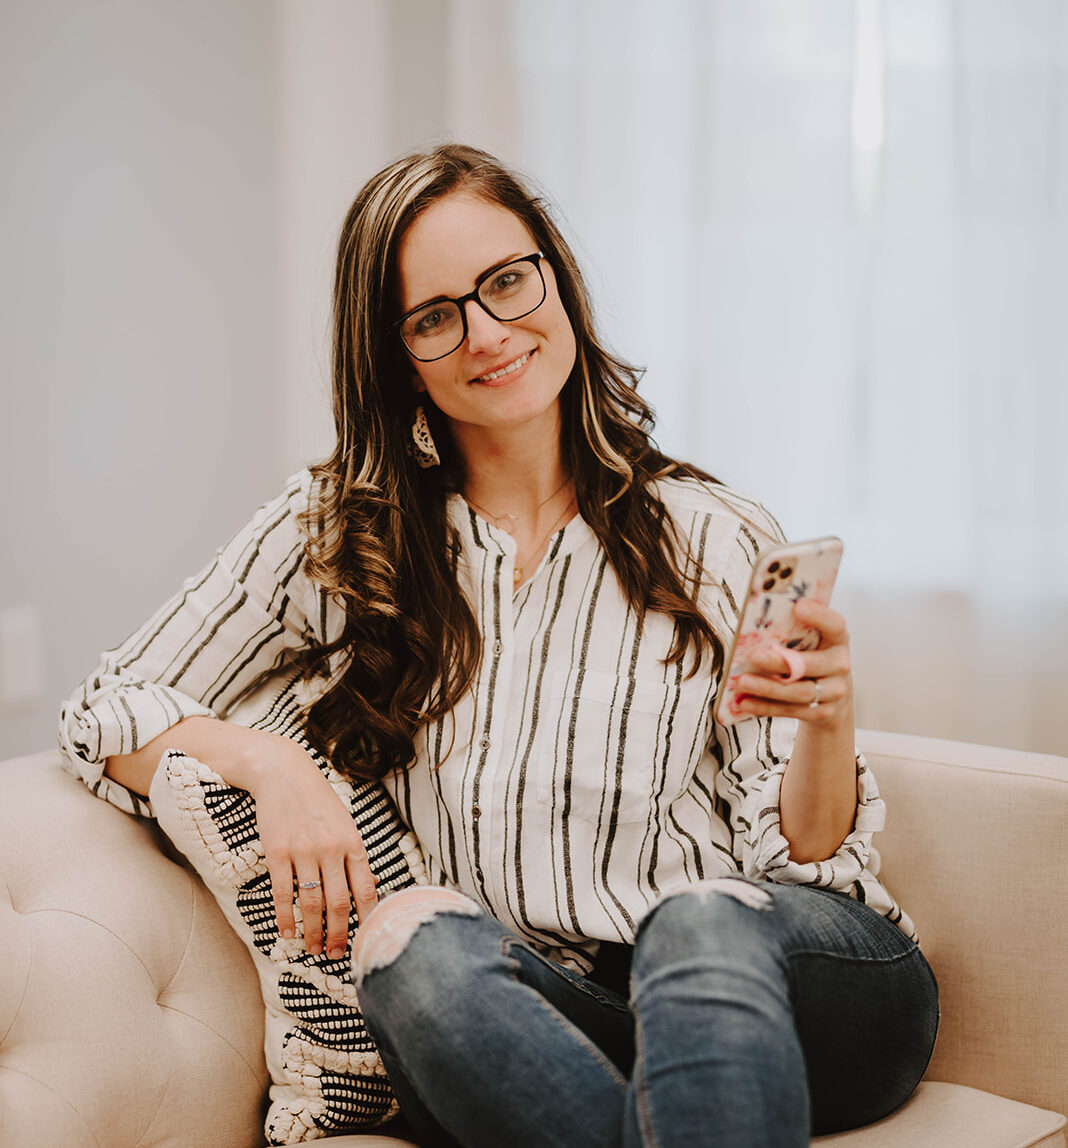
759,1015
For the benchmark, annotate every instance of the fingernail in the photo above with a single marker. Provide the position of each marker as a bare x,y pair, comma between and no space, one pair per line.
336,954
288,934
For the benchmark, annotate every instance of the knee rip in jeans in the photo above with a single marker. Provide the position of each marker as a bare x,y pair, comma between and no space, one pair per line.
745,892
395,920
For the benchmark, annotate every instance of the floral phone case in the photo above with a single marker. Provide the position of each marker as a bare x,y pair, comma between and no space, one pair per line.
781,576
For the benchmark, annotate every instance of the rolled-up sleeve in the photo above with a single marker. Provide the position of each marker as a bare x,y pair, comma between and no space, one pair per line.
227,627
750,790
749,759
747,787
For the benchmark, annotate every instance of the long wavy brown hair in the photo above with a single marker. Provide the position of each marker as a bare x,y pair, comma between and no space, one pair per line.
377,532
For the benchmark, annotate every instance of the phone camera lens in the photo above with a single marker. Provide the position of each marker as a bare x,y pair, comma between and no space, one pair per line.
786,571
769,584
772,567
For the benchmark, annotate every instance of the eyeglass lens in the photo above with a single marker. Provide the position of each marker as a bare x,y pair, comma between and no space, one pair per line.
509,293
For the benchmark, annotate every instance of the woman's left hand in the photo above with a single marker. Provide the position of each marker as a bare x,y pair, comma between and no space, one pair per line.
823,693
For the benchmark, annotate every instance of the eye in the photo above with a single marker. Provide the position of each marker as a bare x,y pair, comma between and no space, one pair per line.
426,322
506,281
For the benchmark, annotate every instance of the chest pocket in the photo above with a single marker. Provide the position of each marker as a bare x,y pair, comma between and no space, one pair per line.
611,734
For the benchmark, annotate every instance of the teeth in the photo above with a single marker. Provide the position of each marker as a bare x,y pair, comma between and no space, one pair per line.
504,370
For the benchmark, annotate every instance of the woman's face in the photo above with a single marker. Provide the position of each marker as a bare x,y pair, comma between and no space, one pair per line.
452,243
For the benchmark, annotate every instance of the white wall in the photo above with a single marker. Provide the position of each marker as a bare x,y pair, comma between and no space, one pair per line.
176,172
331,124
138,354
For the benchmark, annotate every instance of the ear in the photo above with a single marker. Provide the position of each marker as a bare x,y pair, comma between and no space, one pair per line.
417,384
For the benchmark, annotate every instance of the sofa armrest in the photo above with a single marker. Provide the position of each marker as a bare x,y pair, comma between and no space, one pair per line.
130,1014
973,846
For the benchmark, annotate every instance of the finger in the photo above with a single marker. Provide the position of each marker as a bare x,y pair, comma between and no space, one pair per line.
822,714
831,624
832,656
834,661
780,661
803,693
776,663
310,895
362,883
338,905
772,659
281,874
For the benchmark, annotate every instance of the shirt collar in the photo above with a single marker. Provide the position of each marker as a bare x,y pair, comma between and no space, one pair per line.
478,534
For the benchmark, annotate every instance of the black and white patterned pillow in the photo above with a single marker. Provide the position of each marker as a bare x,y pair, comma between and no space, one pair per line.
326,1073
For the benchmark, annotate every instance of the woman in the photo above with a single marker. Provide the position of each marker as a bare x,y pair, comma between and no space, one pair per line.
513,609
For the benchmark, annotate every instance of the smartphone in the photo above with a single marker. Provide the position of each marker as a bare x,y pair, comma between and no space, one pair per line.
781,577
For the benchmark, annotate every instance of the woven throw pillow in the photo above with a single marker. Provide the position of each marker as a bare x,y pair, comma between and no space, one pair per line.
327,1077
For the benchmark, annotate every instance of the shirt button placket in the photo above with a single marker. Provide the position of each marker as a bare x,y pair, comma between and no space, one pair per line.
481,811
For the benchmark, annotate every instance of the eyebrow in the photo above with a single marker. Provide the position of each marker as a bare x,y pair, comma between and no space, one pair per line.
479,279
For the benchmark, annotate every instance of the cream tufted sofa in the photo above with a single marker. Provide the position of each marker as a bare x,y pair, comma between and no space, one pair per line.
130,1014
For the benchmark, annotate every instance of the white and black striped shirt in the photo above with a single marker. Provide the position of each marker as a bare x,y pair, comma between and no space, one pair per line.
580,778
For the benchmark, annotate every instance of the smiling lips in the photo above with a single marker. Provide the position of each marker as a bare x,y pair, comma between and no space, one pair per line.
509,369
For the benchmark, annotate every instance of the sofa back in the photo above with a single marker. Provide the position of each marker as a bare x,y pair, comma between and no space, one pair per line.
974,849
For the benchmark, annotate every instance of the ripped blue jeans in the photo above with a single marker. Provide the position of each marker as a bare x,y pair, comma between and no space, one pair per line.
758,1015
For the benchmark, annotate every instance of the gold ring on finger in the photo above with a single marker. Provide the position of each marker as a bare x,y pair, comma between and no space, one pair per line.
816,698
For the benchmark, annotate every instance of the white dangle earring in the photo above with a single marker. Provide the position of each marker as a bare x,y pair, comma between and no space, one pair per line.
426,453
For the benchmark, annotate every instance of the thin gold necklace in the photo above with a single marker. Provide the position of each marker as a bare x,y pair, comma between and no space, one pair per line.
517,575
513,519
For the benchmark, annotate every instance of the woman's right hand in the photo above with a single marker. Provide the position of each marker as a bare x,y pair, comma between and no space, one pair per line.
306,831
308,836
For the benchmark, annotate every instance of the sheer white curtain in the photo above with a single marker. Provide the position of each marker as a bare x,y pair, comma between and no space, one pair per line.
835,233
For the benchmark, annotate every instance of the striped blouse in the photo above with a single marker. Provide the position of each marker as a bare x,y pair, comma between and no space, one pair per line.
580,778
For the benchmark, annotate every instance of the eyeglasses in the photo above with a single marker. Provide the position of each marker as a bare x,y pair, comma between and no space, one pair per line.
506,293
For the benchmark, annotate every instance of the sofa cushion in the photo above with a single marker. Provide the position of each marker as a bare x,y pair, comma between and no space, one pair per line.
326,1073
953,1116
936,1116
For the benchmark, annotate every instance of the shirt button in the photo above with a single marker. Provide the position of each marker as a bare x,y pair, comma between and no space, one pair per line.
498,646
479,874
476,812
485,743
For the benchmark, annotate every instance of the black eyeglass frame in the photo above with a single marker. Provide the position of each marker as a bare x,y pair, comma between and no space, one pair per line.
473,296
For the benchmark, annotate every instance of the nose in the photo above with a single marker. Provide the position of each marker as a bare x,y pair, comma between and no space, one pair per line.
484,333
